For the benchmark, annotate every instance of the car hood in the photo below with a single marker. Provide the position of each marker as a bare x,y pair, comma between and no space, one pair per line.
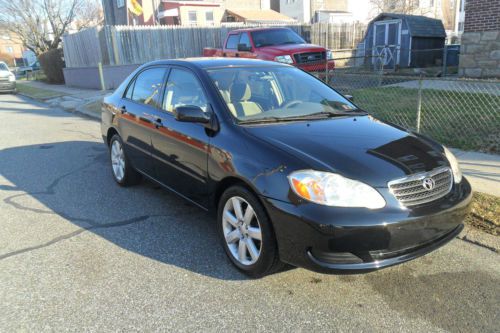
293,48
360,147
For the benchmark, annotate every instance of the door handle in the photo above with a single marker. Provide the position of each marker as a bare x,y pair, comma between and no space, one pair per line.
158,123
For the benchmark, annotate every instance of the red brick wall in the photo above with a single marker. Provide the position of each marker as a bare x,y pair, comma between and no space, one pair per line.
482,15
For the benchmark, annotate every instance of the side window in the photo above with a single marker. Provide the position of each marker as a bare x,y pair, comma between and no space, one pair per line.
147,87
232,41
244,39
183,88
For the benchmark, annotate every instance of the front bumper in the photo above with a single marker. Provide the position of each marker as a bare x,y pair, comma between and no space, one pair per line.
7,86
355,240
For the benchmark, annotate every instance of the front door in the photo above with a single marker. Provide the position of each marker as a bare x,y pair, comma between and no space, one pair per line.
134,120
180,150
386,43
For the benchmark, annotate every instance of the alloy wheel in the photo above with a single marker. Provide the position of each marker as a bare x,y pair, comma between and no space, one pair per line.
118,160
242,231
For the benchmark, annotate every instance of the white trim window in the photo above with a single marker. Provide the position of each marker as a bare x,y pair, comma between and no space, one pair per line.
209,17
192,17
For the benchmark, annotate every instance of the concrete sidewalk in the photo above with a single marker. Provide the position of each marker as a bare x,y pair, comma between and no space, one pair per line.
65,90
482,170
86,101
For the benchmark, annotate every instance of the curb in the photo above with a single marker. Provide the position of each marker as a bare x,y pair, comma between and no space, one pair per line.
78,110
82,111
480,238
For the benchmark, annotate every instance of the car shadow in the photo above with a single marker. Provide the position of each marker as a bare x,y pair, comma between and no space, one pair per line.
73,180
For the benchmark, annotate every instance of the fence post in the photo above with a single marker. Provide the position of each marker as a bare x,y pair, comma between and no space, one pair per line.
101,76
419,103
112,31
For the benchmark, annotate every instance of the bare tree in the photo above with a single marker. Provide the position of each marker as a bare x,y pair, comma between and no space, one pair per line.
39,23
90,15
398,6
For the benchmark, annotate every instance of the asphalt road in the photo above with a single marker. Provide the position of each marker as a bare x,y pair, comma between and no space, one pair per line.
79,253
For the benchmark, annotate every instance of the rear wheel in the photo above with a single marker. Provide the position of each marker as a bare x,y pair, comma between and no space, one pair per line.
246,233
123,172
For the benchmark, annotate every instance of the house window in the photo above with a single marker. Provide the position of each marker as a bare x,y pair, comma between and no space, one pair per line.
192,17
120,3
209,17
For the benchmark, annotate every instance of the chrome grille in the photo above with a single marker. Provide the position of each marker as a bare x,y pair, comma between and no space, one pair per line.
410,191
304,58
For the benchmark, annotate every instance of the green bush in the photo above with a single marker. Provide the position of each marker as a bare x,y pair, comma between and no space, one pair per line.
52,64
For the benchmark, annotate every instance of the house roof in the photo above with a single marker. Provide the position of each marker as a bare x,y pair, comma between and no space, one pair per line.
419,26
264,15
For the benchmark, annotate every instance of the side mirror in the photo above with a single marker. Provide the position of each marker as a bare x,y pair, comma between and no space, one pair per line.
244,48
191,114
349,97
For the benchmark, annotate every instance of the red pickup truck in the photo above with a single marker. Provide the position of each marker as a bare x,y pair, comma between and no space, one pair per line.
276,44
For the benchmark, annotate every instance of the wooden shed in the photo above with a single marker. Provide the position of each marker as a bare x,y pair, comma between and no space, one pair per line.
399,40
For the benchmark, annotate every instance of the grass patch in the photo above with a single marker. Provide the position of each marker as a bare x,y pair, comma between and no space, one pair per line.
485,213
464,120
37,93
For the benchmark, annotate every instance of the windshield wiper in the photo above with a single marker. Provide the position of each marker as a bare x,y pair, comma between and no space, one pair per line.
289,42
262,120
316,115
328,114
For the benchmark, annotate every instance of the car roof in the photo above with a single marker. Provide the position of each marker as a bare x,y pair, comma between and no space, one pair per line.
259,29
215,62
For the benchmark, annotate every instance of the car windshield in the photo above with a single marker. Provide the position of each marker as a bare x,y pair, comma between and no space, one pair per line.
275,93
275,37
3,67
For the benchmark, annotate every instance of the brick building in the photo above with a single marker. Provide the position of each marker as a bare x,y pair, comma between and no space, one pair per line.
480,50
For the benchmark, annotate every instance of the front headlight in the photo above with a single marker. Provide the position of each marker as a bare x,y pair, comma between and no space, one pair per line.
329,55
457,173
12,78
286,59
331,189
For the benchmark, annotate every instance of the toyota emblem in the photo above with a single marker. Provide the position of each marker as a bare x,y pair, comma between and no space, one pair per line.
428,184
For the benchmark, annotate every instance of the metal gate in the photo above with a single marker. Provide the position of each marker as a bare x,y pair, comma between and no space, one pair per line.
386,43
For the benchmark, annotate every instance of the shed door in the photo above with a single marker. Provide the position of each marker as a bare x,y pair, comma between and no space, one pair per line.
386,43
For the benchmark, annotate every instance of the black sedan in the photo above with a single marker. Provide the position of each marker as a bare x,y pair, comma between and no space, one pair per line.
295,172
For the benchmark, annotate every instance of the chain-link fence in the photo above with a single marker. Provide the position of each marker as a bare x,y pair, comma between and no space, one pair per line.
461,113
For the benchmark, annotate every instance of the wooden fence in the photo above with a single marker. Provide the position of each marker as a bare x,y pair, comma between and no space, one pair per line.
123,45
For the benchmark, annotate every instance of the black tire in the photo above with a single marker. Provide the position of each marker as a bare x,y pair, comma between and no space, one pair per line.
268,261
131,176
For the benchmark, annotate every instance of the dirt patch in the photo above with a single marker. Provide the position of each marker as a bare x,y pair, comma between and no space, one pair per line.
485,213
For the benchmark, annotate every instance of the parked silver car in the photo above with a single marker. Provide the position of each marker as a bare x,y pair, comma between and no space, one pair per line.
7,79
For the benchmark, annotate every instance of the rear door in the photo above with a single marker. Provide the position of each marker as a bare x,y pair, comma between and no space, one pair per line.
135,121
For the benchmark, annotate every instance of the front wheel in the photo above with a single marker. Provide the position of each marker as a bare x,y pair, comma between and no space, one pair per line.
246,233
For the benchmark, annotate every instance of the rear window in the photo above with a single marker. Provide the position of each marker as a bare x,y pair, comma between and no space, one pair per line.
232,41
147,86
3,67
